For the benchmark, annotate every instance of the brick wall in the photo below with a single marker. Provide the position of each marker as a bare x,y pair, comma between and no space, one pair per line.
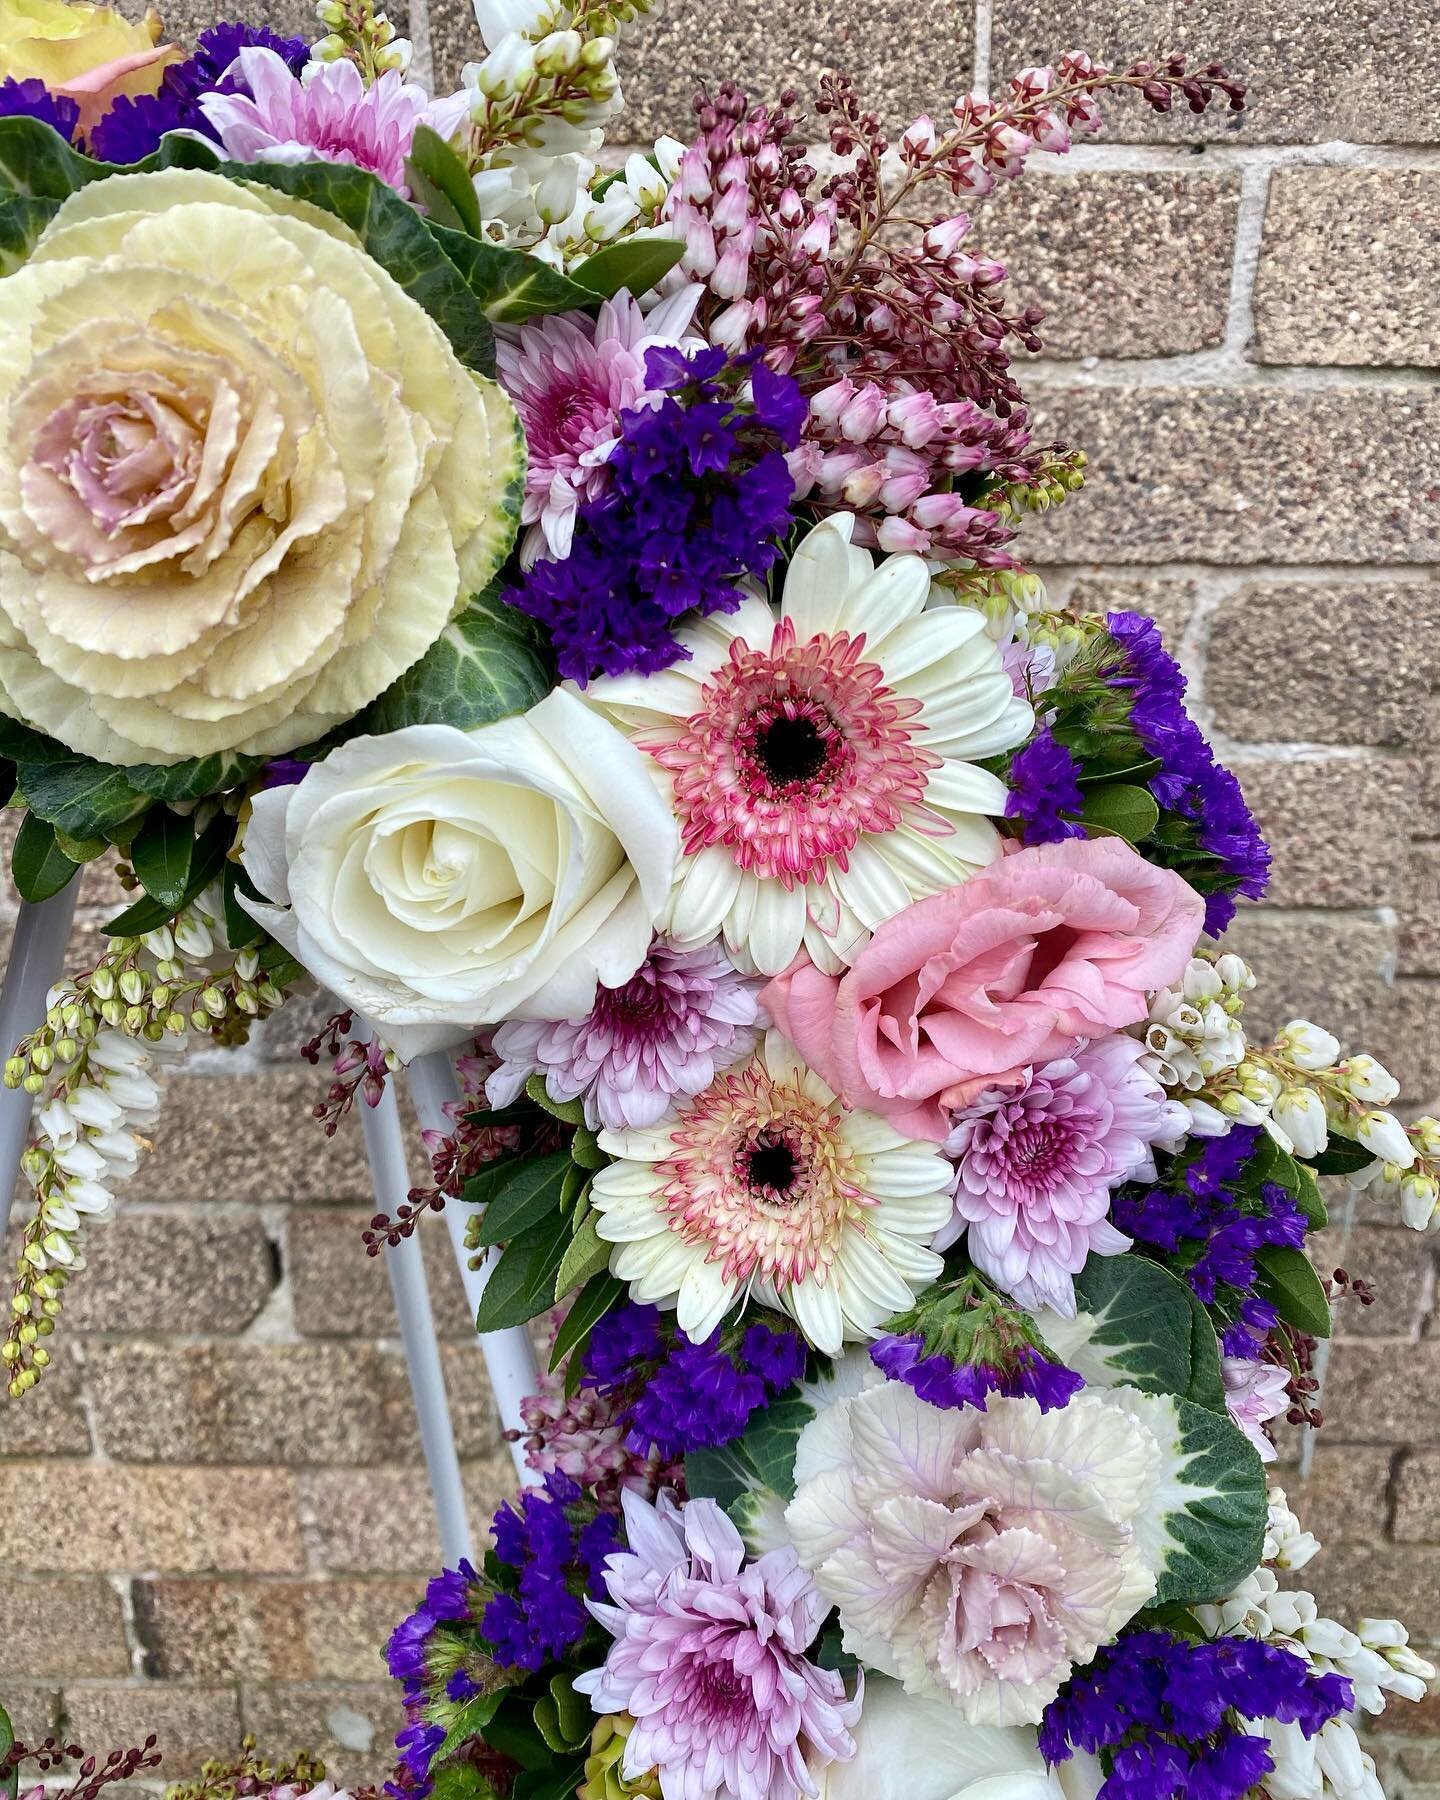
214,1507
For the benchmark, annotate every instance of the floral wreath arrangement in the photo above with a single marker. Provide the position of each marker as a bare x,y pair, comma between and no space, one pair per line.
571,611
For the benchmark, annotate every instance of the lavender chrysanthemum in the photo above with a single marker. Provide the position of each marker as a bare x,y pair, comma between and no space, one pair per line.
1255,1393
709,1660
1037,1160
33,100
681,1016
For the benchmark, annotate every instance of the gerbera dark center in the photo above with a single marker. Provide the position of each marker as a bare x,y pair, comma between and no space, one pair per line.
769,1166
790,749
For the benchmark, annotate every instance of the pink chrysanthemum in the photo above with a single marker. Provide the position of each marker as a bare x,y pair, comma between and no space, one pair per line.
1037,1156
681,1016
571,378
709,1660
1255,1393
326,115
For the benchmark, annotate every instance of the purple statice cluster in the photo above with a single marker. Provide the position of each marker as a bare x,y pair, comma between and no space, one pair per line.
1160,1711
33,100
1045,795
944,1382
414,1658
1210,1219
697,500
552,1553
679,1396
1189,786
132,128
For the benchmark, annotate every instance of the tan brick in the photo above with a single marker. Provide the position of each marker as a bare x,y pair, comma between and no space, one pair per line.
63,1628
81,1519
908,56
1342,665
1169,600
1382,1393
379,1521
1331,71
269,1631
1350,268
351,1726
1399,1263
1343,1498
49,1420
1330,969
1123,264
192,1724
1338,827
1406,1038
1417,1498
185,19
1243,475
1354,1581
33,1710
341,1292
150,1271
249,1137
1420,912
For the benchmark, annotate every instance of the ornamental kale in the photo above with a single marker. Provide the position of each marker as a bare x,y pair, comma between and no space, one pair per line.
698,500
1160,1712
680,1396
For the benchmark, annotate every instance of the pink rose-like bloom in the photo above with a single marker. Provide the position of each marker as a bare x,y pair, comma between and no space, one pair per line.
1037,1159
1255,1393
709,1660
571,378
327,114
1054,943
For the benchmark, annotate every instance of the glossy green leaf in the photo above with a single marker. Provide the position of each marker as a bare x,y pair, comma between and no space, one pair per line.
522,1283
207,860
489,662
444,186
569,1112
507,284
194,779
1120,810
529,1196
591,1304
397,237
588,1255
40,867
242,932
635,263
1289,1282
1137,1324
1341,1156
470,1721
161,854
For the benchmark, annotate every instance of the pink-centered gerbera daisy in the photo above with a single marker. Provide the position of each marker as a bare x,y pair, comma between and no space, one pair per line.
766,1185
822,763
327,114
709,1660
570,378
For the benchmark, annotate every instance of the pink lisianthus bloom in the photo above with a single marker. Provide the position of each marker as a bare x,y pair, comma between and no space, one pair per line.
1004,971
327,114
1255,1393
709,1660
571,377
1037,1157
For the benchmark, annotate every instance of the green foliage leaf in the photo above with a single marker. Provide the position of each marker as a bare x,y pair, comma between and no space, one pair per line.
563,1717
9,1784
40,867
38,170
1138,1324
588,1255
207,859
522,1283
397,237
591,1304
488,662
635,263
1270,1163
763,1460
570,1112
1289,1282
1205,1529
508,285
1120,810
462,1781
194,779
470,1721
161,854
512,1732
438,178
1341,1156
528,1197
241,931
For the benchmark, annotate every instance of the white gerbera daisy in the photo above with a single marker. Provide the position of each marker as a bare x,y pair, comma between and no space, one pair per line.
766,1184
822,765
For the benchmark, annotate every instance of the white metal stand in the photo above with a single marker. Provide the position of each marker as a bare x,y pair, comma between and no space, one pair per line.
37,960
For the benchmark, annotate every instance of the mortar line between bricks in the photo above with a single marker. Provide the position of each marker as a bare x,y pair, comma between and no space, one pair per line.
1222,368
980,60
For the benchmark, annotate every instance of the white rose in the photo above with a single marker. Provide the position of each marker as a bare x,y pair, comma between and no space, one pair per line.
437,880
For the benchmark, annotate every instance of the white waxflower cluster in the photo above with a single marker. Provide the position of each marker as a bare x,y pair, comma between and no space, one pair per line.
1376,1658
359,30
608,206
539,102
1414,1185
1194,1034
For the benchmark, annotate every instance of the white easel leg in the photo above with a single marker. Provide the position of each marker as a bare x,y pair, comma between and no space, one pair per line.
385,1146
37,960
509,1357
